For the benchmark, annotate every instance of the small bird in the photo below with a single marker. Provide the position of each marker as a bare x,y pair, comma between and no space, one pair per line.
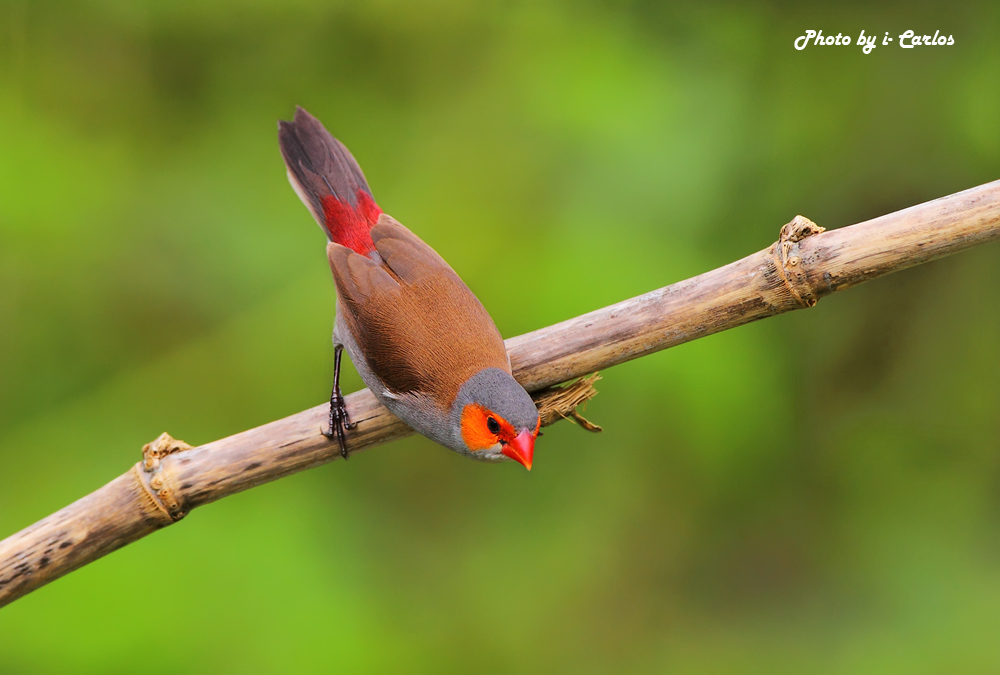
420,339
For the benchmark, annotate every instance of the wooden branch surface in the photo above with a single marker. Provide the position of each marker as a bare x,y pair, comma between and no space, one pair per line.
802,266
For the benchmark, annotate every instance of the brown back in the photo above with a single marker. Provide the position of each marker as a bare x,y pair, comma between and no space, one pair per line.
419,326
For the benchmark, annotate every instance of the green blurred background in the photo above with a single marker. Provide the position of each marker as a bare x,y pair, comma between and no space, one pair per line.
818,492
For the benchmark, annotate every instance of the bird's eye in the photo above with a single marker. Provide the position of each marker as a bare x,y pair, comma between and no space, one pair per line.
493,425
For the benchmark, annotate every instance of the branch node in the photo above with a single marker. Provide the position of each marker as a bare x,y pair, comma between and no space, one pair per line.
153,483
789,264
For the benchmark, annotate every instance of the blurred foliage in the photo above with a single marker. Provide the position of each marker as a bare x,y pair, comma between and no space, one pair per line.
813,493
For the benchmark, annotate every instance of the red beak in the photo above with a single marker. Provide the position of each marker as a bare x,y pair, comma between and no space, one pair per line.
521,449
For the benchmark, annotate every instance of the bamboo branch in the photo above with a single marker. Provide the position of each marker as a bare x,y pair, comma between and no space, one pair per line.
804,265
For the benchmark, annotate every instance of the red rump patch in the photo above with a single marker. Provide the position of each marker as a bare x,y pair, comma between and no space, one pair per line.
351,227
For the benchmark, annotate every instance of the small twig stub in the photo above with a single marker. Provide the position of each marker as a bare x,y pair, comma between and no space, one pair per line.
561,402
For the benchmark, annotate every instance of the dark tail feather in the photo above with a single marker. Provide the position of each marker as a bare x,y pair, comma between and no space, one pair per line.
329,181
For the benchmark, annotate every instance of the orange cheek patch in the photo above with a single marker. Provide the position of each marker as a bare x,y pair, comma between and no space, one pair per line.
474,431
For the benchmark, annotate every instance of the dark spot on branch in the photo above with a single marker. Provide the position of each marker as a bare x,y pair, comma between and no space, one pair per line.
251,467
44,562
186,486
65,544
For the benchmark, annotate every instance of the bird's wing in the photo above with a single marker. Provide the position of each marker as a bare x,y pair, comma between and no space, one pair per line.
406,254
420,328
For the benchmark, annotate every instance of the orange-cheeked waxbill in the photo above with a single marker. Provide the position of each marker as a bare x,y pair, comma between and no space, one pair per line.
420,339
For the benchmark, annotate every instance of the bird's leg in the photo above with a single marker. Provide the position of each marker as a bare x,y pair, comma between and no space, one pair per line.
339,421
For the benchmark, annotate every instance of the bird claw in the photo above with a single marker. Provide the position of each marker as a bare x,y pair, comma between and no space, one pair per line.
340,423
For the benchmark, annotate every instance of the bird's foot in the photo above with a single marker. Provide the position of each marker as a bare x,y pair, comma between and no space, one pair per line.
340,423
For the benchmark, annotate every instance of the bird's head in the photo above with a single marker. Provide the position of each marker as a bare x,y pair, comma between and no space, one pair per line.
496,418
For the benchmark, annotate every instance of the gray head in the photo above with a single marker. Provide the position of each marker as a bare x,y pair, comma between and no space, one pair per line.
494,417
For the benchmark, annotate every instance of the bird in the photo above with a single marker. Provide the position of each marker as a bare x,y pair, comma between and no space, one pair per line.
420,339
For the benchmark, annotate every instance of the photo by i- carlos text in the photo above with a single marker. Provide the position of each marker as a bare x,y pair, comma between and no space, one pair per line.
907,40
